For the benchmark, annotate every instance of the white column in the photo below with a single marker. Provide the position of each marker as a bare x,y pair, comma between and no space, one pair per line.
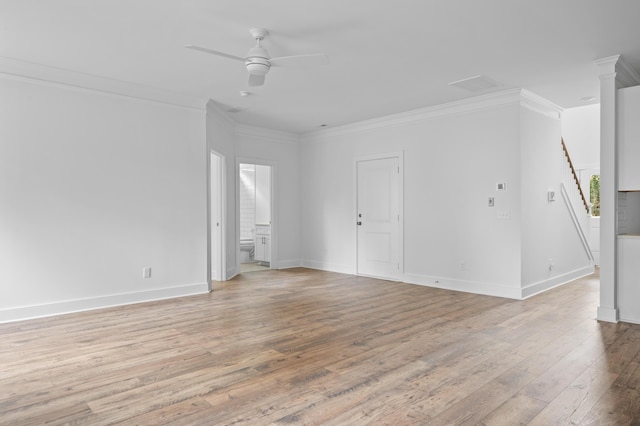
614,74
608,308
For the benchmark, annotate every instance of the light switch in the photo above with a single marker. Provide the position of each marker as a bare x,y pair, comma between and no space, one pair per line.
491,202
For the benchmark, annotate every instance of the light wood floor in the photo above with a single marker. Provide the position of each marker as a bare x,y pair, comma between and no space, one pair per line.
309,347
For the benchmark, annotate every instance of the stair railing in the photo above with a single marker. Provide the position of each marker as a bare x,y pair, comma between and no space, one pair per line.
575,200
570,172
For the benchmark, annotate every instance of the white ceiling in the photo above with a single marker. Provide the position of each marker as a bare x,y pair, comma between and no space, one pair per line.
385,56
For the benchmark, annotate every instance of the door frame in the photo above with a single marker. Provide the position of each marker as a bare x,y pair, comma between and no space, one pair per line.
274,208
400,156
218,238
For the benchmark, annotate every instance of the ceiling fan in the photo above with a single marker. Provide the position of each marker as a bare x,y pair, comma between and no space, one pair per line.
257,62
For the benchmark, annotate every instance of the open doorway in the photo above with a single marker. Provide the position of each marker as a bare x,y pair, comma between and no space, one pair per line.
255,196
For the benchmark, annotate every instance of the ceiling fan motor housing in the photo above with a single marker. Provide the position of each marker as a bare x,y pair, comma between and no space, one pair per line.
257,61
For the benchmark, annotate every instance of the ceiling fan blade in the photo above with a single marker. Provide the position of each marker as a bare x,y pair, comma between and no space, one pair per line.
213,52
256,79
300,60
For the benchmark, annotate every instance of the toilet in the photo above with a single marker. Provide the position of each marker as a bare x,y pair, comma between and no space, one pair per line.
247,250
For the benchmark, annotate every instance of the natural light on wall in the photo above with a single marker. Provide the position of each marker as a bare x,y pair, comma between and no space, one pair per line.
594,191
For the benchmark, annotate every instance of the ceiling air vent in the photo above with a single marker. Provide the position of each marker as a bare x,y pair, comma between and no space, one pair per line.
476,83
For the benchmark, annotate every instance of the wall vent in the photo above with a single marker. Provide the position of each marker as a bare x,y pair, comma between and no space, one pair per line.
476,83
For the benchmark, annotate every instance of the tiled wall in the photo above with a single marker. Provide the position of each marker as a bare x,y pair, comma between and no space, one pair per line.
247,200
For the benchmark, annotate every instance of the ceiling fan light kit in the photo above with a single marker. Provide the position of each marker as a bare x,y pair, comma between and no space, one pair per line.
257,61
257,65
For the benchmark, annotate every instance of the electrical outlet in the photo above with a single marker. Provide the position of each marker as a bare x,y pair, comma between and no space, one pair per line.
146,272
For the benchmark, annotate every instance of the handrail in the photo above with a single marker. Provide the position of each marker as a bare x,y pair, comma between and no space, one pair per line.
576,221
575,175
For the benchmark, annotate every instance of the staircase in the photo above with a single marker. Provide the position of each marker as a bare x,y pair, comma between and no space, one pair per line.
575,200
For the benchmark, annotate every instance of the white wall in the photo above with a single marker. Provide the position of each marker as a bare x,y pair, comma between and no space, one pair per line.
452,164
263,195
255,198
260,146
94,187
452,167
549,237
281,151
454,156
221,138
247,201
581,133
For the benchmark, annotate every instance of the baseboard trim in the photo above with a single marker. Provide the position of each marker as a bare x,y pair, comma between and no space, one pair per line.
330,267
476,287
542,286
287,264
630,320
231,272
79,305
607,314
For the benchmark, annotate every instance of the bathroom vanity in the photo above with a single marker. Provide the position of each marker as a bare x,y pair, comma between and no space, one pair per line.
263,243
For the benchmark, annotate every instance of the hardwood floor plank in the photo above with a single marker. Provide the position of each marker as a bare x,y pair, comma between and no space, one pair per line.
312,347
52,414
56,404
573,404
621,352
185,412
179,388
617,406
460,383
517,410
553,381
477,405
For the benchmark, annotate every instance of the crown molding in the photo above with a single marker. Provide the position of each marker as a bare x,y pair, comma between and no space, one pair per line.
615,67
488,101
608,64
266,133
539,104
626,75
16,69
213,106
250,131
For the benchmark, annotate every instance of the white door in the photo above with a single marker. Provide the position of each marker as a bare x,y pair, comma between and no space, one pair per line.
378,217
215,236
